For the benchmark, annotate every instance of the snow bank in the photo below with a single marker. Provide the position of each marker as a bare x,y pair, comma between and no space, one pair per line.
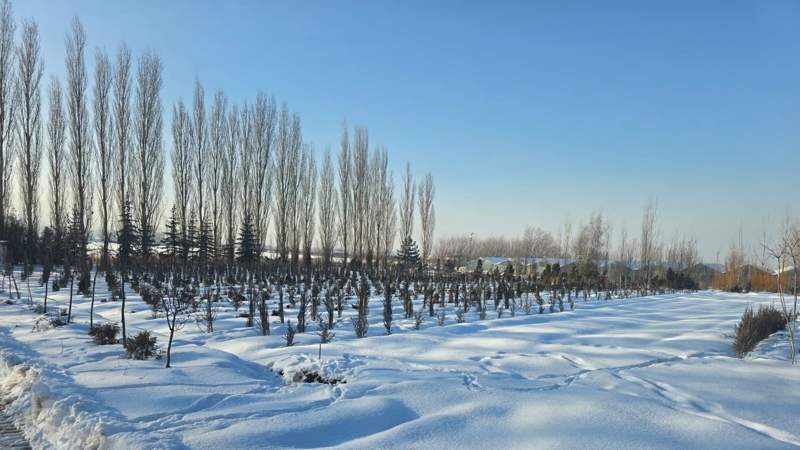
296,368
52,412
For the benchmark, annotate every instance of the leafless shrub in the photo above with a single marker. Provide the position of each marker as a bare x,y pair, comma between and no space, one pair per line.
755,327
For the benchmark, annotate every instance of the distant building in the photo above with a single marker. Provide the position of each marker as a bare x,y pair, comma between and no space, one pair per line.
703,274
488,263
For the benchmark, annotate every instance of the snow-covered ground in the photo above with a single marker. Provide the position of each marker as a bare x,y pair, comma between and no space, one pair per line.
654,372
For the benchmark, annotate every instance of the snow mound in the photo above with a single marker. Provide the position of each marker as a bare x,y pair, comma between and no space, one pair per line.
301,368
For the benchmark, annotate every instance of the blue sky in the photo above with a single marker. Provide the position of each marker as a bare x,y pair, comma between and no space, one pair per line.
525,112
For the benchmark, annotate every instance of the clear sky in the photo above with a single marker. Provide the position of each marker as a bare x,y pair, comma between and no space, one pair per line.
525,112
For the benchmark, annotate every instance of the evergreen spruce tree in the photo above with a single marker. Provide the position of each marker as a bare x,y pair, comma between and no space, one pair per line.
408,255
74,236
247,253
479,268
147,240
509,271
171,239
205,244
190,240
127,236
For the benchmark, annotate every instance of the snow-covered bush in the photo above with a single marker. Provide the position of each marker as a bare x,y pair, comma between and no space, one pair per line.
418,316
48,322
459,315
289,336
303,369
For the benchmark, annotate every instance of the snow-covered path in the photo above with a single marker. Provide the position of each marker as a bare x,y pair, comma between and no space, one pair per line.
10,436
654,372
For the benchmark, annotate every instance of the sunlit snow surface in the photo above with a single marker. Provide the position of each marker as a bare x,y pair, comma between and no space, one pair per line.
653,372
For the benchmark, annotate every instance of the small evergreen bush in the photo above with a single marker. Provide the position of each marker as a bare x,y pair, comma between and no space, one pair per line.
104,334
142,346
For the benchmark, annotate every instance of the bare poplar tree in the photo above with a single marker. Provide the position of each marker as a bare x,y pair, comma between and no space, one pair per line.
122,127
182,167
149,154
299,160
7,29
106,158
427,215
623,249
264,117
387,219
327,209
199,148
217,134
308,189
80,142
379,173
230,188
29,105
647,242
566,239
407,204
345,189
285,165
389,213
247,159
56,128
360,192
